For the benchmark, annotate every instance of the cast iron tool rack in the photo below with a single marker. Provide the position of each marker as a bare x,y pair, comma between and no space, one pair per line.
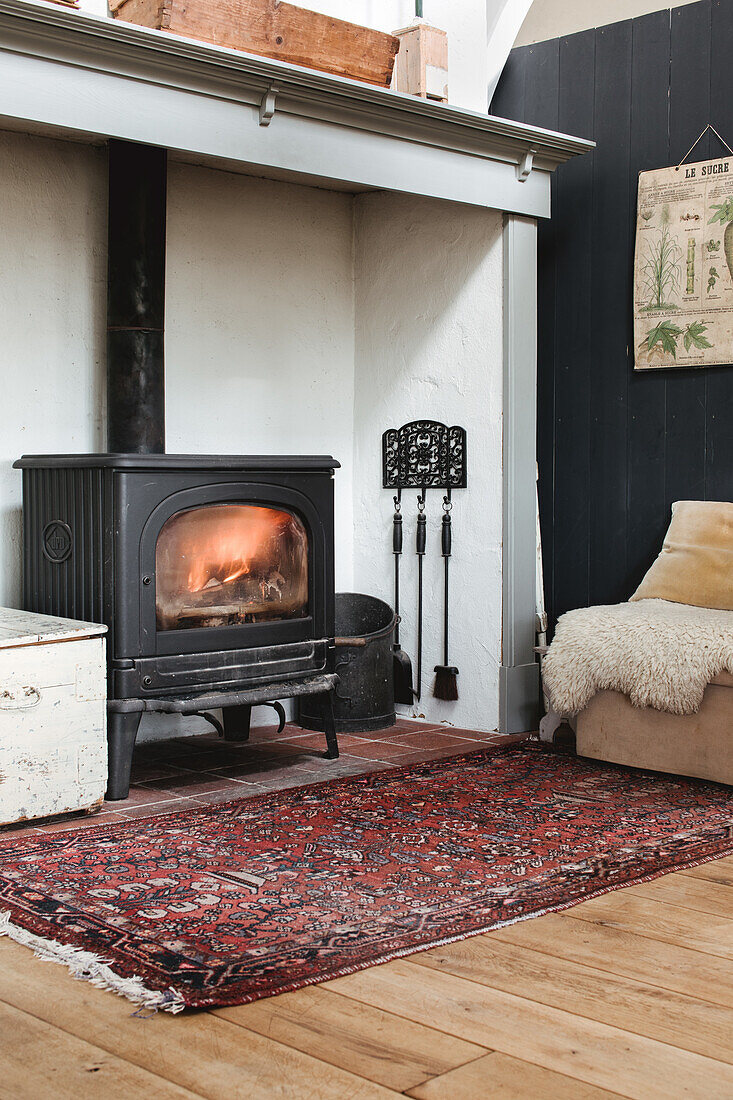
422,455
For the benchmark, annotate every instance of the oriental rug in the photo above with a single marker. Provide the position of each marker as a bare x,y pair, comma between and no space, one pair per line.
258,896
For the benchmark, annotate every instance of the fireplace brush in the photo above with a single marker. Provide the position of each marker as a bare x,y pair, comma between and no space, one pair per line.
446,683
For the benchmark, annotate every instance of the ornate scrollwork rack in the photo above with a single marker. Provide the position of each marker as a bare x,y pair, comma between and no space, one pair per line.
424,454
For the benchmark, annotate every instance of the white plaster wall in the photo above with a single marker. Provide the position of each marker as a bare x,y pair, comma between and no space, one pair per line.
260,324
53,270
429,344
554,18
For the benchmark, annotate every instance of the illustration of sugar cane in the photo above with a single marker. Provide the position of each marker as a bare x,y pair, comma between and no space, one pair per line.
691,266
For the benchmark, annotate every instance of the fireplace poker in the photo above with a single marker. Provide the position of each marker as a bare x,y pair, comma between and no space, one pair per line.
420,539
446,684
402,666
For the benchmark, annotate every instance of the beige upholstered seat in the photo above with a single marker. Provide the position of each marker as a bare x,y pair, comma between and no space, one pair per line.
700,744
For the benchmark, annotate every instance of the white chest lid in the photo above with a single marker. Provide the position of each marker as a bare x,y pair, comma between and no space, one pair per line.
19,628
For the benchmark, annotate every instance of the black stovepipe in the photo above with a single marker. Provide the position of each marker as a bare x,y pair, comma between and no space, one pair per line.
136,298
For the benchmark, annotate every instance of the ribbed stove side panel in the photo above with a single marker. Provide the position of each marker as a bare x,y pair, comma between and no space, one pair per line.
75,498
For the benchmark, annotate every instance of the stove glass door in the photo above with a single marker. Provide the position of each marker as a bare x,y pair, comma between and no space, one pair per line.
227,564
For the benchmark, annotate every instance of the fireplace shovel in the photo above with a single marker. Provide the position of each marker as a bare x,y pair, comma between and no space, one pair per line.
402,665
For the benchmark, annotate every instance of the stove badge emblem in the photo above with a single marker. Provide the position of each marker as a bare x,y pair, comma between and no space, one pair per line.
57,541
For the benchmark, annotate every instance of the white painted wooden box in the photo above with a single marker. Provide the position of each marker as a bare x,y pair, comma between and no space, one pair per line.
53,715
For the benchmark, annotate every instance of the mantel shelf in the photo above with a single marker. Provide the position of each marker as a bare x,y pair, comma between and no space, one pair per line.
82,77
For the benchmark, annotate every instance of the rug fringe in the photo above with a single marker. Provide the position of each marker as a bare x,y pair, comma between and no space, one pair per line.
87,967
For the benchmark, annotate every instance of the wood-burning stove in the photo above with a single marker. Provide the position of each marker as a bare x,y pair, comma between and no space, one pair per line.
214,575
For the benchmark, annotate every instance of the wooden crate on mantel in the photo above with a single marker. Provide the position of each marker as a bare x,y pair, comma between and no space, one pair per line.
53,716
273,29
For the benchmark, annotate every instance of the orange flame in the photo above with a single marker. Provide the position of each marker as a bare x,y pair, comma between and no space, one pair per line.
224,548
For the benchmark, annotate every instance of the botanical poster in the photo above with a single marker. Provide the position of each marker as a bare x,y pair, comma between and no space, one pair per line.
683,270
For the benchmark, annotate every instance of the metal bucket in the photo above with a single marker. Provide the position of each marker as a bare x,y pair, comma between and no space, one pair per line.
364,698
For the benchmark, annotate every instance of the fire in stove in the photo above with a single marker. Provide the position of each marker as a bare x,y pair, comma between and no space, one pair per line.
224,564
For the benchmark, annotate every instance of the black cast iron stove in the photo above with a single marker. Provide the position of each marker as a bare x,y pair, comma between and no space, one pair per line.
214,574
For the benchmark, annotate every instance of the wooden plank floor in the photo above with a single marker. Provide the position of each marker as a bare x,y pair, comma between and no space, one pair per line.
630,994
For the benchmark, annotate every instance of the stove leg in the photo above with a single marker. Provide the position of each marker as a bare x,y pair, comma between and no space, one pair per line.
121,733
236,722
329,727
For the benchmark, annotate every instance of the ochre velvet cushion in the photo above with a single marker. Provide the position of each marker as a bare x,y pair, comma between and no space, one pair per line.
696,563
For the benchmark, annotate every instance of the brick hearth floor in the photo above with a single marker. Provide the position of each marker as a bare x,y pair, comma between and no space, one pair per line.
188,772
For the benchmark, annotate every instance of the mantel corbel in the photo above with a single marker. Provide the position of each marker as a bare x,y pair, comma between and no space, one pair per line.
267,104
525,165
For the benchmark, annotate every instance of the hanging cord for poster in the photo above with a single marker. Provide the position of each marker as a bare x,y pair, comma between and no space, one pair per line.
699,139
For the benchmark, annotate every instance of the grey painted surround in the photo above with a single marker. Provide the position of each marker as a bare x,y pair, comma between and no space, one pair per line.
519,673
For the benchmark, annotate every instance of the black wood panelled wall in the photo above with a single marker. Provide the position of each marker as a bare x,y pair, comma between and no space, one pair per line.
616,447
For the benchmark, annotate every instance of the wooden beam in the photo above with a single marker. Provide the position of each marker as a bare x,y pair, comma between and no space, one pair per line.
273,29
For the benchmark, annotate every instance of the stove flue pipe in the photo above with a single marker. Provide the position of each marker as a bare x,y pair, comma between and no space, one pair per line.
136,299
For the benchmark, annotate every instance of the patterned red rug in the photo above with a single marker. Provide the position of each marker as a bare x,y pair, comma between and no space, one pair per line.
243,900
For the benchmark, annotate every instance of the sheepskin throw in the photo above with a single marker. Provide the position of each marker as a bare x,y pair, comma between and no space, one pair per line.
660,654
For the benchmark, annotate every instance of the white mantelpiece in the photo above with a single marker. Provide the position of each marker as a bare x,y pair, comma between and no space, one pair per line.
64,72
298,318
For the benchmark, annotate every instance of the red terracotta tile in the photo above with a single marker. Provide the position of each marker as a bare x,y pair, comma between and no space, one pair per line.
197,785
417,756
258,771
202,761
146,772
343,767
470,735
428,739
308,758
270,733
181,778
12,832
415,724
378,750
401,734
171,806
89,821
138,796
237,790
287,747
336,770
161,752
401,727
299,741
317,741
203,740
